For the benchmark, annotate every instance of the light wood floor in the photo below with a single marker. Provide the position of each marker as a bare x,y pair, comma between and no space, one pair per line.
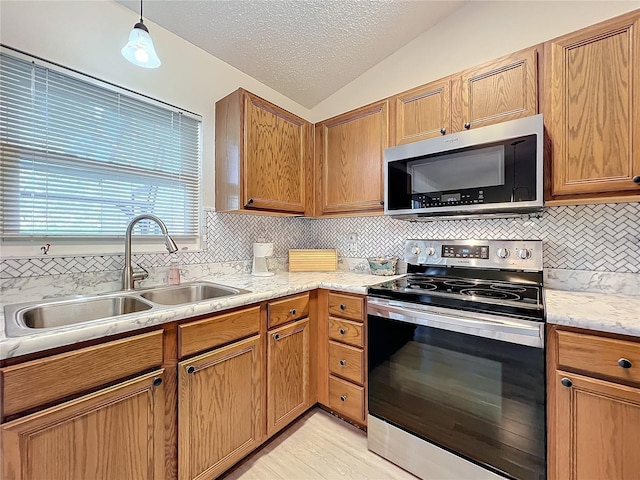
318,447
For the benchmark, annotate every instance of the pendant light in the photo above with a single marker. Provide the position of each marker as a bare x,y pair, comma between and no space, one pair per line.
139,49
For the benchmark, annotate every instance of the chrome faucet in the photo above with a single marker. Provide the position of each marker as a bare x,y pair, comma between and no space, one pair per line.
128,277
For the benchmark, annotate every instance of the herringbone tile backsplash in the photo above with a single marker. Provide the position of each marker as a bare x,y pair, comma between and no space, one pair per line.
603,237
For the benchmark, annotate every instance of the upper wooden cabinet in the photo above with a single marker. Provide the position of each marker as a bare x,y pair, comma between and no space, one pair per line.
421,113
349,156
263,156
592,110
497,91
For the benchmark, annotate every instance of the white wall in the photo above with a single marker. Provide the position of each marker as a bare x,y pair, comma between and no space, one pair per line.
473,34
88,36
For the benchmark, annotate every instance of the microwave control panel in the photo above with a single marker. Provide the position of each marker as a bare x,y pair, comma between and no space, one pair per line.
438,199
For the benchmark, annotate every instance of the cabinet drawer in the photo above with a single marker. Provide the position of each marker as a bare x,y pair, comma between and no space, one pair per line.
346,306
346,398
346,331
208,333
289,309
43,381
346,362
599,356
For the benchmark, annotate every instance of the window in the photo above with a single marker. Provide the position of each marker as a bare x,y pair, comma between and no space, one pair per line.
81,159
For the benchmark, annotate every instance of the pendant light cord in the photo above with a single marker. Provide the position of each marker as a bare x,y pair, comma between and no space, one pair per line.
140,11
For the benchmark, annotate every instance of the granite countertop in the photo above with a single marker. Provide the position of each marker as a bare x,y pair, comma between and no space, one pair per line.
261,288
605,312
602,301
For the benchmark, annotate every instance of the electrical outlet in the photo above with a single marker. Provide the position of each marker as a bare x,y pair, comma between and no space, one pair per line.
353,243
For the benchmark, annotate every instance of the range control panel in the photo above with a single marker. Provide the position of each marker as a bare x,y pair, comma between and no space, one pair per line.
504,254
465,251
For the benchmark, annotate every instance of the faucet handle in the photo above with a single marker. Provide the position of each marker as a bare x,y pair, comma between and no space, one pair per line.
140,275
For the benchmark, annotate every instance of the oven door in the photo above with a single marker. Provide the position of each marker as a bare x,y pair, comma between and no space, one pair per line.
469,383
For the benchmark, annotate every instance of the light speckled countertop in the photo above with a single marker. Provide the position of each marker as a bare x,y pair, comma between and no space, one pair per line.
605,312
261,288
602,301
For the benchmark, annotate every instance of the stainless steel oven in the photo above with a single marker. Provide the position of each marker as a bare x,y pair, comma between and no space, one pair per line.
457,364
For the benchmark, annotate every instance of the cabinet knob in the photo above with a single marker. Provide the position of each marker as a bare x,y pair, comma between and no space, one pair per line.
292,311
381,202
276,336
443,131
566,382
343,398
624,363
636,179
467,125
342,331
157,382
343,362
250,201
191,369
343,306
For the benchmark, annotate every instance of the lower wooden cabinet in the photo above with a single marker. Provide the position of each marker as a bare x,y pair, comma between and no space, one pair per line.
593,406
597,429
220,415
117,432
288,383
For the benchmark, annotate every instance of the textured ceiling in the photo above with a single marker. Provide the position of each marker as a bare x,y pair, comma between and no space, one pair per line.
304,49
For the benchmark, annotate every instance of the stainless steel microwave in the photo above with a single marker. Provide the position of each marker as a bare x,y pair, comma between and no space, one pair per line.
490,170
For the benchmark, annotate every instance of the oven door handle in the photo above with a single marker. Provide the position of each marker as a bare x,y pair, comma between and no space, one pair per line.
513,331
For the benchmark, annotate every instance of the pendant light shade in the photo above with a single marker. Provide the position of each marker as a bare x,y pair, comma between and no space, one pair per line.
139,50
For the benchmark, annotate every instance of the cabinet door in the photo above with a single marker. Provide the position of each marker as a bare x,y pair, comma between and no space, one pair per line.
276,153
220,416
350,151
117,432
421,113
593,116
287,374
597,430
501,90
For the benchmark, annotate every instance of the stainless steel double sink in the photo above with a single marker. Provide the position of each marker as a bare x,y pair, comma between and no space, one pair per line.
27,318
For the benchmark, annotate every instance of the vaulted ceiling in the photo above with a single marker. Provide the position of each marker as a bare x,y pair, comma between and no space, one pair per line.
304,49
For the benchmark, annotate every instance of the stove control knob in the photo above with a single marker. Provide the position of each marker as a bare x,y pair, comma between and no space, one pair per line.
524,254
415,250
431,251
503,252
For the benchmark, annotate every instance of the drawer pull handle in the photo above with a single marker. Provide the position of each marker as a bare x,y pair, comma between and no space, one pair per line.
292,311
467,126
191,369
443,131
343,398
343,362
624,363
276,336
342,331
343,306
157,382
566,382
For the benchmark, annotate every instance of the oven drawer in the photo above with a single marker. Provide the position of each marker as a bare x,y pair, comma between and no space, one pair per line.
346,362
618,359
346,306
346,398
346,331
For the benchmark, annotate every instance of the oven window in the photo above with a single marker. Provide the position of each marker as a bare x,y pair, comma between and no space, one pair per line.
480,398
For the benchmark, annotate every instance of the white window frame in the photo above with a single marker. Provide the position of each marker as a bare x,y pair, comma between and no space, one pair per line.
11,247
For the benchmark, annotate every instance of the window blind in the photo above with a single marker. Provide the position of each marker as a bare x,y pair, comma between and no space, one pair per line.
81,160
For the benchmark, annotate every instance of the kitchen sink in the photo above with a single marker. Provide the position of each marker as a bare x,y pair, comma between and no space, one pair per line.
59,314
189,293
27,318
